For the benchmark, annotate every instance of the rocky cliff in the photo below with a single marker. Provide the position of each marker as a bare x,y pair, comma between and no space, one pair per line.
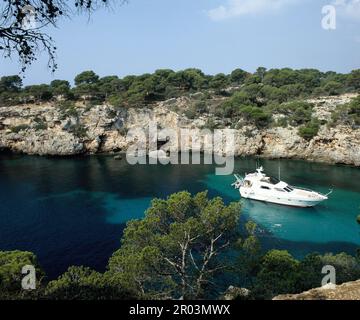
48,130
346,291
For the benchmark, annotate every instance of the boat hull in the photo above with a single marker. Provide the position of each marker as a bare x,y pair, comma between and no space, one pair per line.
282,201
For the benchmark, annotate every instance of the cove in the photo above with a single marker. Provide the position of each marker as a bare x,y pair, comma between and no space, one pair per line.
72,211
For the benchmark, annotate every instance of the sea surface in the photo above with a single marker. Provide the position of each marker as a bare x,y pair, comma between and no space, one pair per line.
72,211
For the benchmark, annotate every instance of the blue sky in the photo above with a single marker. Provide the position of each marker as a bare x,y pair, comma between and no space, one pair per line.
213,35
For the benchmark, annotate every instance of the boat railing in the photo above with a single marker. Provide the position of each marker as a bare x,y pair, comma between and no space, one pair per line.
302,188
306,189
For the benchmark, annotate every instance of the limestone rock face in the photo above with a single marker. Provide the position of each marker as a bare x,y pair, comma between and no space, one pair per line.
61,143
235,293
282,143
324,105
346,291
45,130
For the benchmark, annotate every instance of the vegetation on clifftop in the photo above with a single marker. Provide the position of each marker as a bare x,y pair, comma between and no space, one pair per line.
266,98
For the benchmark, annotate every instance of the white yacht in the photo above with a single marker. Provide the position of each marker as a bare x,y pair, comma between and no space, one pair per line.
260,187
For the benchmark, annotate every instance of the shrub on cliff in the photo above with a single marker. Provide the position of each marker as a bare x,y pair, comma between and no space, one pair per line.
67,108
353,79
348,114
82,283
11,264
78,130
197,108
39,93
332,88
309,130
255,115
258,89
297,112
40,124
116,100
21,127
278,272
60,87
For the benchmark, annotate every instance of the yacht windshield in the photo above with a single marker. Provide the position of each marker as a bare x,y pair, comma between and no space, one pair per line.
274,180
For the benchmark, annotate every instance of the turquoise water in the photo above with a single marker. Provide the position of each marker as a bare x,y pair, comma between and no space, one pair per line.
73,211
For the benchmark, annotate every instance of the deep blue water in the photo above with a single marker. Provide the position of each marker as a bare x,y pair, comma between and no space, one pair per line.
72,211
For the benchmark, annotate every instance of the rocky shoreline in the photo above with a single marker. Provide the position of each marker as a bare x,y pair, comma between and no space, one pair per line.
45,129
346,291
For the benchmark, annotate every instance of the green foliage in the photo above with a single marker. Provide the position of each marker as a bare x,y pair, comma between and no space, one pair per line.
249,255
254,92
219,82
210,124
40,124
230,108
309,130
109,85
10,90
353,79
358,219
238,76
280,77
116,101
274,94
86,77
244,105
67,108
346,266
87,84
175,250
294,90
10,84
41,92
281,122
196,109
347,269
277,274
11,264
348,114
332,88
190,113
182,249
60,87
280,273
201,107
255,115
261,72
296,113
78,130
263,88
188,80
21,127
81,283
